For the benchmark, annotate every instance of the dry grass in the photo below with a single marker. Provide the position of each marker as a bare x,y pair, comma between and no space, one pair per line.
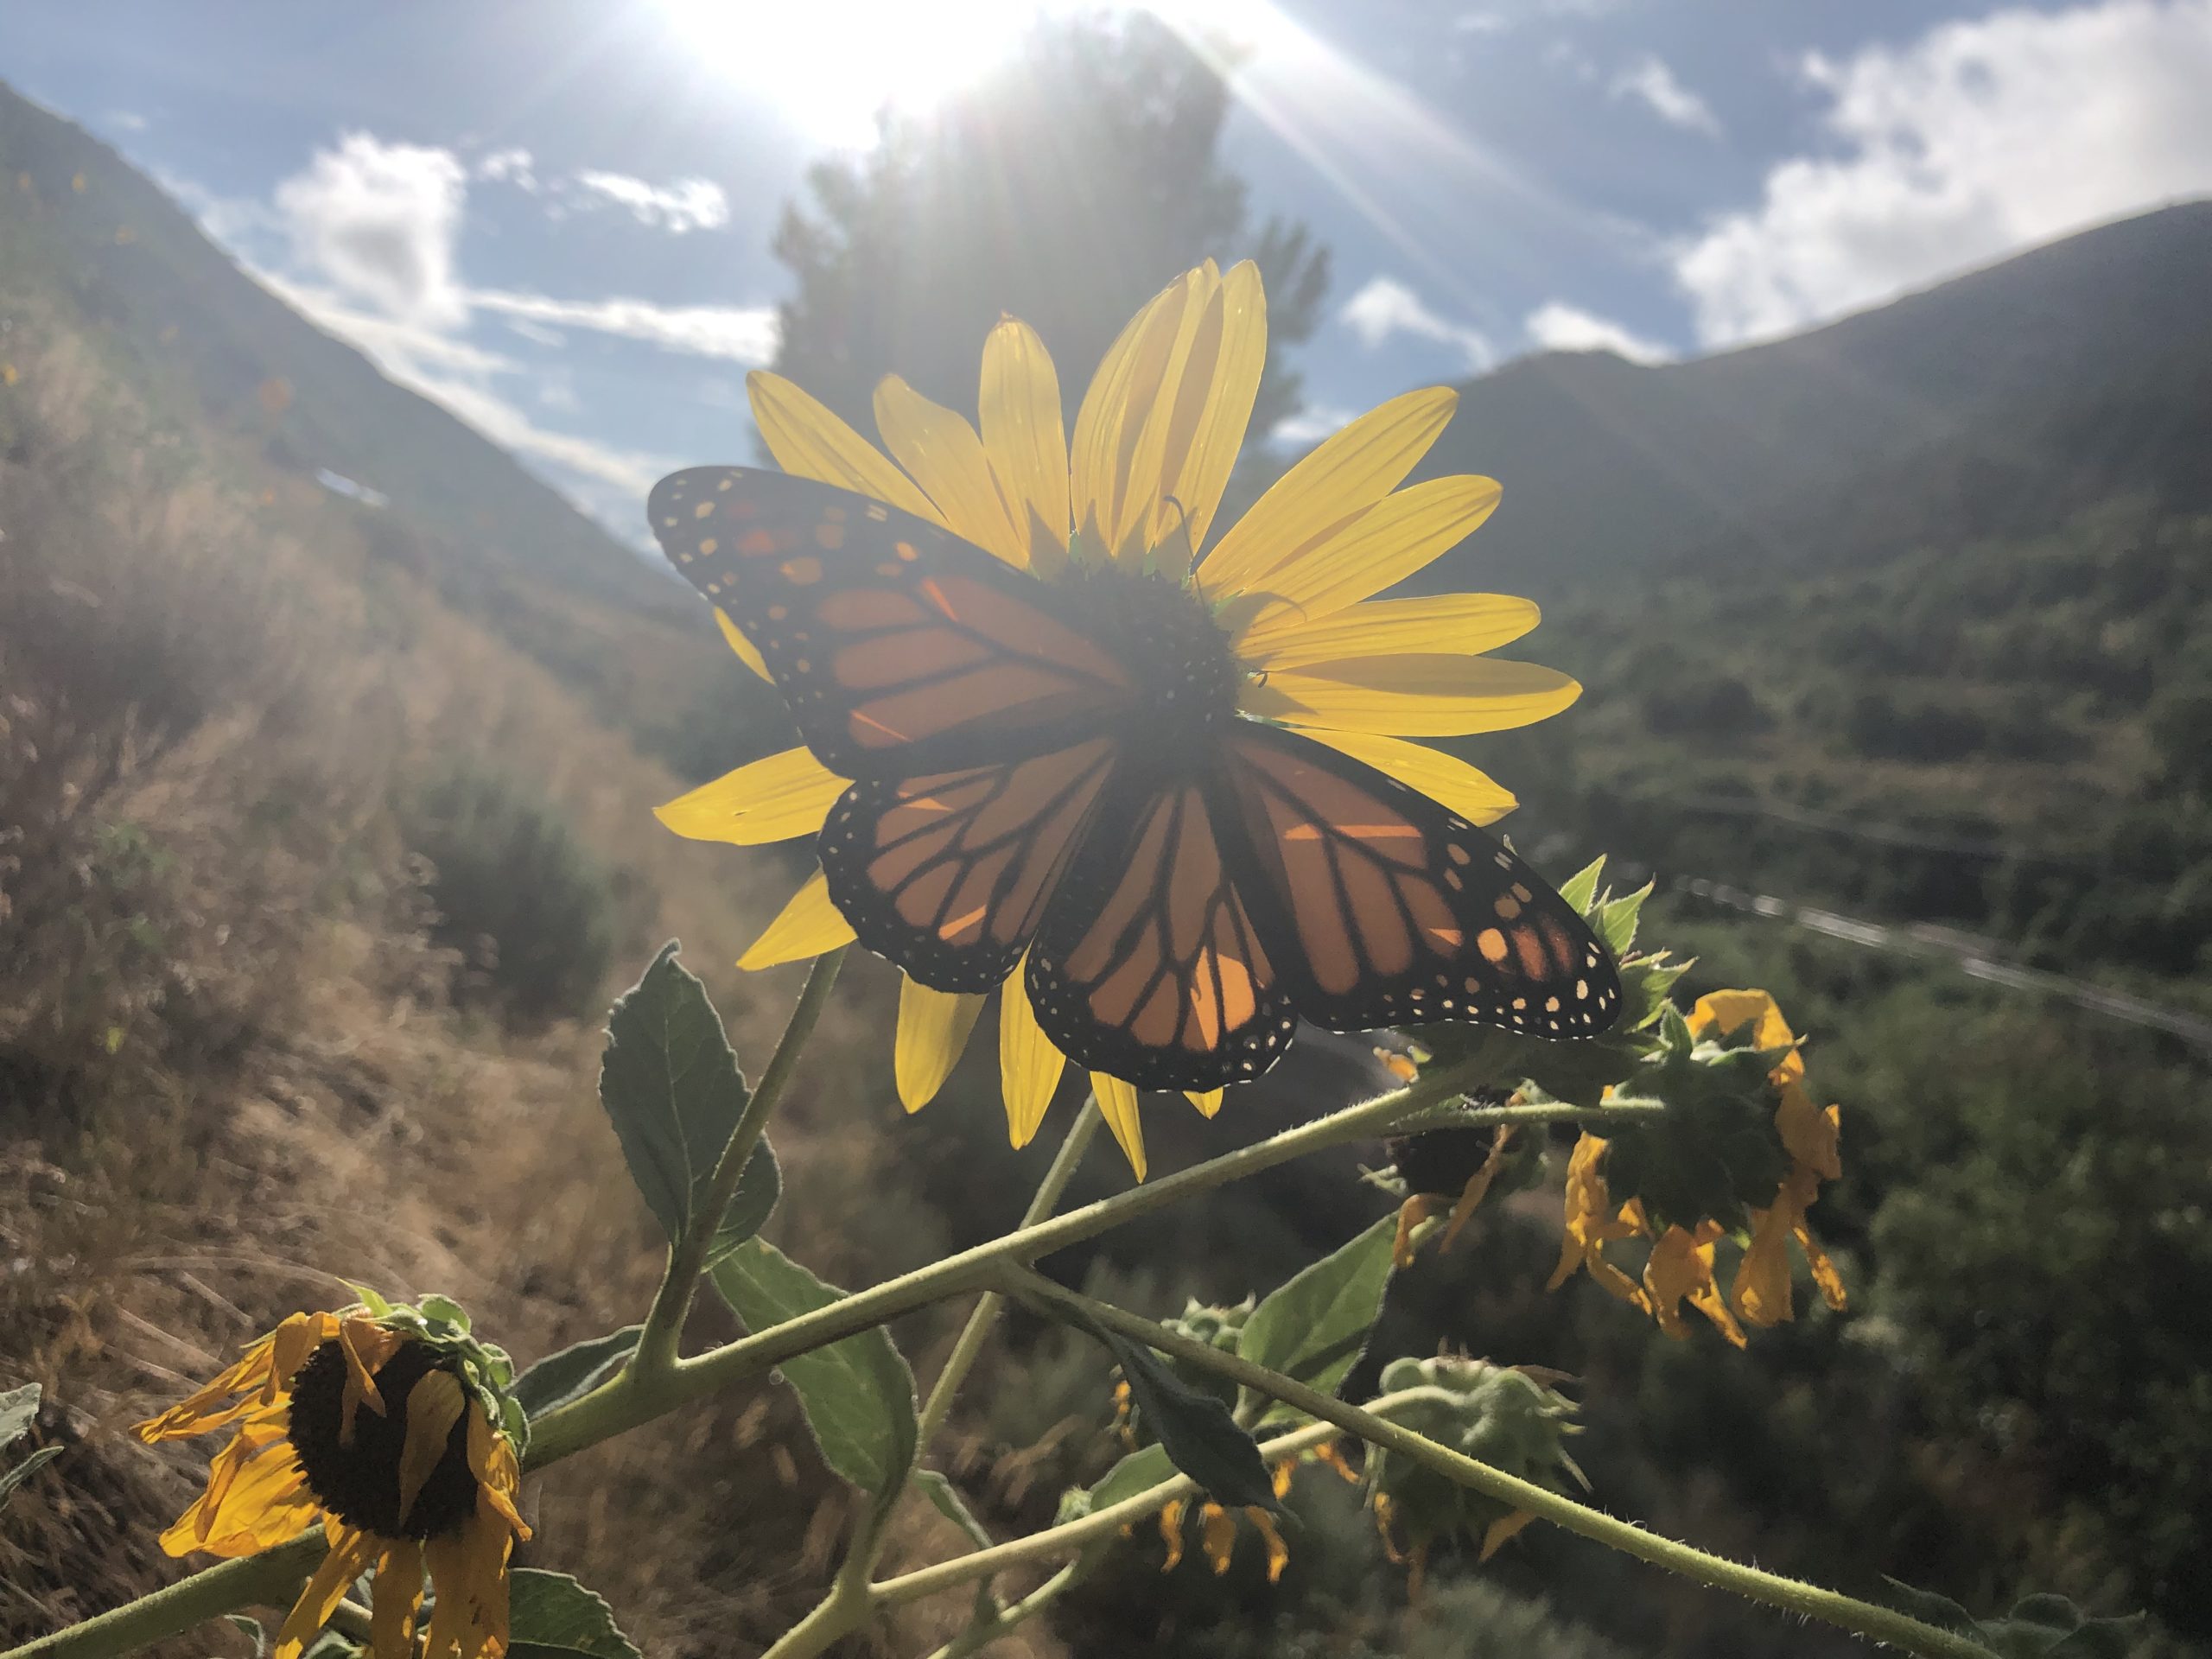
231,1072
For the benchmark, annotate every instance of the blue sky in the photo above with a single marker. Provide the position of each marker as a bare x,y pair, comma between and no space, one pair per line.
555,216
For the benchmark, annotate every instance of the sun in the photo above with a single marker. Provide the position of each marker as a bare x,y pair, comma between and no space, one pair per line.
832,65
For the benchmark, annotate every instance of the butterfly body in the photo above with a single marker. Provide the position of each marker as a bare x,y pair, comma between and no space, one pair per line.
1057,771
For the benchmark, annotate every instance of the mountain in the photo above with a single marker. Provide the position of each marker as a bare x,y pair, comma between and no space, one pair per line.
97,250
1997,403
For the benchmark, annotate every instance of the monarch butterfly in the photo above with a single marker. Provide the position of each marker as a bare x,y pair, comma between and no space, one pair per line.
1058,770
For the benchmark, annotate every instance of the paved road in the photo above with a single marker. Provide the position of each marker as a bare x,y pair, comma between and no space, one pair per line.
1977,958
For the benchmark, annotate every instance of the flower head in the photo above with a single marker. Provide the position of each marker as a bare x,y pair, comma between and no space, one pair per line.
1740,1154
385,1424
1127,502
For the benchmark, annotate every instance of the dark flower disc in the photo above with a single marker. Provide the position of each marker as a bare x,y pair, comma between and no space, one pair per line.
359,1482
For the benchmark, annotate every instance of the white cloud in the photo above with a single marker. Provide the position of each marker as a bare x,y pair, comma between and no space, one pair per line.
1978,139
380,221
1310,425
1386,307
684,206
126,120
537,333
508,166
738,333
1558,326
1650,82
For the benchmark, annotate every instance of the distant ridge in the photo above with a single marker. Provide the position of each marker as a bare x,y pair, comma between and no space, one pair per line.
1996,402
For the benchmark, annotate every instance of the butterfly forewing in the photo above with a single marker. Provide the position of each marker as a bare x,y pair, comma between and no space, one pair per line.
898,647
949,874
1148,966
1394,909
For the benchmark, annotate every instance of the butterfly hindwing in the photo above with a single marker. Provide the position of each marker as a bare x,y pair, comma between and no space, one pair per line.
1148,966
949,874
898,646
1394,909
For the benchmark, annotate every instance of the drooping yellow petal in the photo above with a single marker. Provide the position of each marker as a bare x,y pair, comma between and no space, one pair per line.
1196,428
933,1027
399,1597
1171,1533
1384,627
1117,1103
1413,696
1024,434
1392,540
747,653
807,926
1102,487
366,1345
1502,1531
1218,1536
1208,1101
1348,474
807,439
434,1405
1278,1551
1445,778
943,455
1761,1292
499,1474
1029,1065
351,1554
772,799
256,1497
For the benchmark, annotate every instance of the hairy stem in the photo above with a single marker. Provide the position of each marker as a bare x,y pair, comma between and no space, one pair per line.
271,1579
687,1258
1792,1595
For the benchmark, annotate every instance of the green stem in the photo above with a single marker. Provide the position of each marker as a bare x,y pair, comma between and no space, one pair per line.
687,1258
980,1633
869,1542
1792,1595
271,1579
613,1410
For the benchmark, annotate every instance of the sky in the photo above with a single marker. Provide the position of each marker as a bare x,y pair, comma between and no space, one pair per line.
556,216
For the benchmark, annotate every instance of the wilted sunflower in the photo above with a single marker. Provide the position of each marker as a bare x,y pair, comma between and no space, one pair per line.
1135,489
356,1420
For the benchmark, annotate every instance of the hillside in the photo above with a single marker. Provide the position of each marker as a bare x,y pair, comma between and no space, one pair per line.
1996,403
106,257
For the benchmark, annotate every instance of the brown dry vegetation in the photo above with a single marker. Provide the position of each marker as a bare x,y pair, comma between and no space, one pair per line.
231,1067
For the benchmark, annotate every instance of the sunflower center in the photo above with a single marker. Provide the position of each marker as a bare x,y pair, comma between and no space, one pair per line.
358,1481
1187,675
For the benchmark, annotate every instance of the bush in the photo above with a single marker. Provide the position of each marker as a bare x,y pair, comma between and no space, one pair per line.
519,894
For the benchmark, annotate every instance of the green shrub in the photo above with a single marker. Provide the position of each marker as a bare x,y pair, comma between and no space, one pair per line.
521,898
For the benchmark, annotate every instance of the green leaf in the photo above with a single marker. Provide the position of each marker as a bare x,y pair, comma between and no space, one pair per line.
1583,888
671,1087
858,1394
573,1372
1615,919
1931,1609
11,1478
2100,1638
1197,1432
1139,1471
549,1614
18,1406
252,1630
1313,1327
444,1308
953,1506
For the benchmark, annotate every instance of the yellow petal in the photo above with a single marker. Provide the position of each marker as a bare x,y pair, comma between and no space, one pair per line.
366,1347
1278,1551
1218,1536
1171,1533
1117,1103
1444,779
350,1555
807,439
1116,407
434,1405
744,648
1414,696
1347,474
399,1597
1208,1101
1500,1532
1397,537
943,455
807,926
1029,1065
499,1475
772,799
933,1027
1024,436
1196,428
1449,622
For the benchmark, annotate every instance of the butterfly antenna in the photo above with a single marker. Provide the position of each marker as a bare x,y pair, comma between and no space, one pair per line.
1183,515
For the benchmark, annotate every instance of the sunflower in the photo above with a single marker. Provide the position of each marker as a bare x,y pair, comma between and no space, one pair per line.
380,1430
1135,489
1758,1160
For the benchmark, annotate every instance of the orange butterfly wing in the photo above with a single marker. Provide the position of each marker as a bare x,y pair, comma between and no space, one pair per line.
899,648
1390,908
